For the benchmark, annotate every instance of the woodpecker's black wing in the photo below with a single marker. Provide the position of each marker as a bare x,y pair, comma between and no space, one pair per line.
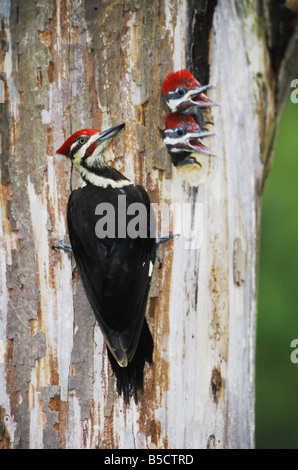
116,272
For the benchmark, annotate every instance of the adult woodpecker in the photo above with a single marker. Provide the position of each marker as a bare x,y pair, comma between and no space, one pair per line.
182,137
115,270
184,94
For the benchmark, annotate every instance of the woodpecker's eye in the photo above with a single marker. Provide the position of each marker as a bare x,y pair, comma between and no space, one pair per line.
181,91
83,140
180,131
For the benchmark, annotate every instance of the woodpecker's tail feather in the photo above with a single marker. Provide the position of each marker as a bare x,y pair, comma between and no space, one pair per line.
130,378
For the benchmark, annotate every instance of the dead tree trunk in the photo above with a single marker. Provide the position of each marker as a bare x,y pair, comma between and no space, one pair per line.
67,65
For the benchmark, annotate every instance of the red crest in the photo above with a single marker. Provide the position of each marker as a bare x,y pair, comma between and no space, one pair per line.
175,120
181,78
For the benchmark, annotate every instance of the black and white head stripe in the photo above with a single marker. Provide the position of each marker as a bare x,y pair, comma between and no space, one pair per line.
181,135
86,151
80,146
181,95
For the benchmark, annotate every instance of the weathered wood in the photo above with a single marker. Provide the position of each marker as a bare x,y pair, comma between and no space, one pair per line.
67,65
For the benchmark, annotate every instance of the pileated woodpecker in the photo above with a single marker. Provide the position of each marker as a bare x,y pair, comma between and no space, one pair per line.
184,94
182,137
116,270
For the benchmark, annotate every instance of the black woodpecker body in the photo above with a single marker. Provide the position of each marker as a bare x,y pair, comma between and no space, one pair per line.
115,264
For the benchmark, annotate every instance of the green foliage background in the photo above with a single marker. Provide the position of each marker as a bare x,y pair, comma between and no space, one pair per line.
277,321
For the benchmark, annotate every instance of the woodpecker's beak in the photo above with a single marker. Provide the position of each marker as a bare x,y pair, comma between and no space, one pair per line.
110,133
193,142
196,97
101,142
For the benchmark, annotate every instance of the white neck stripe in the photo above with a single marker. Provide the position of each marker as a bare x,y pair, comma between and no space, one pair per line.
101,181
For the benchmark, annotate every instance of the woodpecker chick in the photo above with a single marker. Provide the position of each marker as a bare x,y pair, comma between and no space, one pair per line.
182,137
115,269
184,93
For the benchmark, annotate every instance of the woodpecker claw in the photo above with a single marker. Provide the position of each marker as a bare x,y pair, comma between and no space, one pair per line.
73,271
63,246
166,238
161,240
68,249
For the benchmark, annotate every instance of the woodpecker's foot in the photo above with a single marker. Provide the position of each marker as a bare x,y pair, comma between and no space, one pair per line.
73,271
161,240
67,248
166,238
63,246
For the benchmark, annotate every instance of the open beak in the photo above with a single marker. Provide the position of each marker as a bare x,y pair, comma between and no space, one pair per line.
196,97
194,143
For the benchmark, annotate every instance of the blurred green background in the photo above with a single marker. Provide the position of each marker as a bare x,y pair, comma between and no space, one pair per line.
277,320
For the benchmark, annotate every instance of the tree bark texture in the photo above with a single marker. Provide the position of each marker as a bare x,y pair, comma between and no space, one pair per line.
70,64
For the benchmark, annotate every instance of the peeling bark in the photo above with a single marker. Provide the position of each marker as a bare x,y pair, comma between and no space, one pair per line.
69,64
